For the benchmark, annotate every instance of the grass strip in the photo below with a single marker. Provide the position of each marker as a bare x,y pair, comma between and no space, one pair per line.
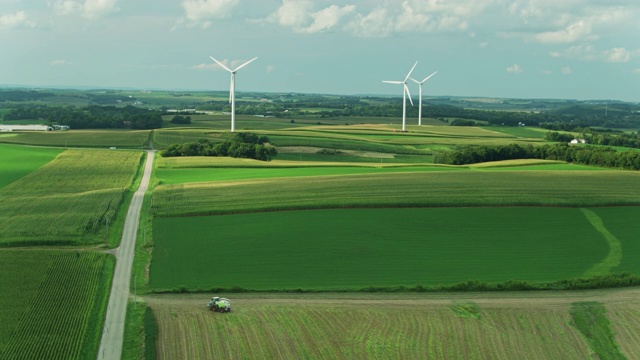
591,320
615,247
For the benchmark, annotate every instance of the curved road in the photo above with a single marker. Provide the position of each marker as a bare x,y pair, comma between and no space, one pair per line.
113,329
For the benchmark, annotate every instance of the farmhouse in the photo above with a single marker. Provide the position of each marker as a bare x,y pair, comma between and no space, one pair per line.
25,128
578,141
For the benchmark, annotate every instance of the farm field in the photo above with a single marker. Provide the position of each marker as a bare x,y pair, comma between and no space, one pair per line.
68,201
52,303
410,189
529,325
356,248
18,161
128,139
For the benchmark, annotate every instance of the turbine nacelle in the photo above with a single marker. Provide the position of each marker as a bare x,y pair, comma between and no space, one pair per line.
232,87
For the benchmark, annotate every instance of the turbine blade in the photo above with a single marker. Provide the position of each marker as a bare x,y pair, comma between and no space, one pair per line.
410,71
221,64
392,82
245,64
427,78
415,81
406,88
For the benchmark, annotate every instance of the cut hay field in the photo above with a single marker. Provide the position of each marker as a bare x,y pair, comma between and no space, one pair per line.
410,189
356,248
128,139
70,200
52,303
383,326
18,161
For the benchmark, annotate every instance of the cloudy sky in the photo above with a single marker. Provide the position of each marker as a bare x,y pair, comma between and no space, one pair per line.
576,49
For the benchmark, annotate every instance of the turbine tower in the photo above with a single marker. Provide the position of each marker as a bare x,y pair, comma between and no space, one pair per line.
420,101
405,92
232,88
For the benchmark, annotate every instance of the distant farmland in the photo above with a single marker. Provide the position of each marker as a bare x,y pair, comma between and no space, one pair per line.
18,161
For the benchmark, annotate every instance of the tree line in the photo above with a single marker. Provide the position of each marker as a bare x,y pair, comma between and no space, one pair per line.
242,145
586,155
597,138
90,117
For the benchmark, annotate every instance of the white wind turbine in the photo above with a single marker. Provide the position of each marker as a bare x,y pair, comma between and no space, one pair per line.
232,89
405,92
420,101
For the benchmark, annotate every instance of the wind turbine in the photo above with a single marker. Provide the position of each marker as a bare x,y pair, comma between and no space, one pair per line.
405,92
232,88
420,106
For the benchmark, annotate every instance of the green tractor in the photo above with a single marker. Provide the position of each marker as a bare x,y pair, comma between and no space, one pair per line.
219,304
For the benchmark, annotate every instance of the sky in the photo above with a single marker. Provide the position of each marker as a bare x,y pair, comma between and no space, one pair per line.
566,49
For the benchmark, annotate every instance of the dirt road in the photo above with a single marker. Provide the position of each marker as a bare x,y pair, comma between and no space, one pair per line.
113,329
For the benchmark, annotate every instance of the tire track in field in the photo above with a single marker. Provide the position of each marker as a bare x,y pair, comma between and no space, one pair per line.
615,247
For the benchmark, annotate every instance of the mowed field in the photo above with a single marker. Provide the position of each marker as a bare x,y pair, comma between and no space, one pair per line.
19,161
128,139
387,326
52,303
70,200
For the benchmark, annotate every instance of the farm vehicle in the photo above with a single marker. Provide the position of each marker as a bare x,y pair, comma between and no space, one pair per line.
219,304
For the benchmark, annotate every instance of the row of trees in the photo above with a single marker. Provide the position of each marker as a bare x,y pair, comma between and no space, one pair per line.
587,155
596,138
90,117
243,145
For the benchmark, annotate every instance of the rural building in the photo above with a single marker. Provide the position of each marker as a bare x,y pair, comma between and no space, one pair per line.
25,128
578,141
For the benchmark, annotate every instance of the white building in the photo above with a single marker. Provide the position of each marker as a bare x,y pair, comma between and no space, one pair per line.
25,128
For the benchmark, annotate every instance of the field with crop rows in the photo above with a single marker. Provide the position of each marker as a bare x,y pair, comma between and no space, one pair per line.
411,189
376,327
70,200
128,139
52,303
356,248
18,161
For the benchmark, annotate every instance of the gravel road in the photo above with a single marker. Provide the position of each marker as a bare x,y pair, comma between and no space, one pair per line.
113,330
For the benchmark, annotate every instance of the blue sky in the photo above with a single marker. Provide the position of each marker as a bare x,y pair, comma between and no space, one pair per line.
574,49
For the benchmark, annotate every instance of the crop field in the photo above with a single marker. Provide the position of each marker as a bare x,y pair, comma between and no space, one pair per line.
356,248
383,326
70,200
52,303
18,161
411,189
137,139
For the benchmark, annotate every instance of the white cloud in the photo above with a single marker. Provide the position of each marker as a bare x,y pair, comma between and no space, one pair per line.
546,72
376,23
566,70
17,20
584,52
199,10
636,71
299,16
60,62
618,55
514,69
579,30
270,69
89,9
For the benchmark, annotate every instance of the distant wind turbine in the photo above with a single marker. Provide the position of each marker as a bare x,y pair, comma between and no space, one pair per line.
232,89
405,92
420,101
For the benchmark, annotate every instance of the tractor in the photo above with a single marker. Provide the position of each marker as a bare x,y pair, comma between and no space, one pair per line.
219,304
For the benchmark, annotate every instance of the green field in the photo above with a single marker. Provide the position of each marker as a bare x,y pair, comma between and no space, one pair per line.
129,139
18,161
353,249
52,303
411,189
70,200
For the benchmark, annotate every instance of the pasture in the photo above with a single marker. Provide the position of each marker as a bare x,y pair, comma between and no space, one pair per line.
406,326
70,200
52,303
355,248
18,161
